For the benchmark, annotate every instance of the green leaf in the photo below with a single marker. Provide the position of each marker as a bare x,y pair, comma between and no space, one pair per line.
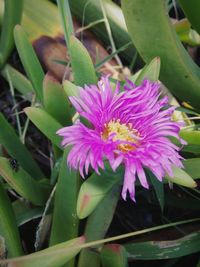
25,213
159,189
153,35
96,228
195,149
32,190
94,189
54,256
151,71
12,16
29,60
8,226
55,100
191,137
82,66
192,167
191,10
114,255
59,251
154,250
45,123
18,80
65,204
17,150
182,178
186,34
70,88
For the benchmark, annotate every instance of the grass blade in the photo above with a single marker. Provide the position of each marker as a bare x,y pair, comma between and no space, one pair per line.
66,19
90,11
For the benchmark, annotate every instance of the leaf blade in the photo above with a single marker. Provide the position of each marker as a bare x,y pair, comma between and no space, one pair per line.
29,60
8,226
175,60
12,16
17,150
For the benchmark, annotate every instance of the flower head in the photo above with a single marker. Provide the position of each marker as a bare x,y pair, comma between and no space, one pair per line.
130,128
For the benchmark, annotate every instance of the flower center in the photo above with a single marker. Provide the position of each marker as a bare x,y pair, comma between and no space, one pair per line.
127,136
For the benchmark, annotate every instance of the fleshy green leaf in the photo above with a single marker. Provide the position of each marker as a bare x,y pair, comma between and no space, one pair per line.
191,137
82,66
25,213
19,81
55,100
192,167
54,256
12,16
151,71
45,123
93,190
182,178
159,189
114,255
154,250
17,150
70,88
8,226
153,35
29,60
195,149
32,190
191,10
186,33
65,204
97,228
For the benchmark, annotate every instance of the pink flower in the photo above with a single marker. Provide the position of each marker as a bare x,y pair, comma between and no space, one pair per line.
129,127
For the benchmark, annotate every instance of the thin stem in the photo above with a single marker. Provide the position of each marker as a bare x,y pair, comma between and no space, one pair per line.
14,104
107,25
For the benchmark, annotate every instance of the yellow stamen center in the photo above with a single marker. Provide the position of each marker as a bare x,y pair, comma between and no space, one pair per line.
121,132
